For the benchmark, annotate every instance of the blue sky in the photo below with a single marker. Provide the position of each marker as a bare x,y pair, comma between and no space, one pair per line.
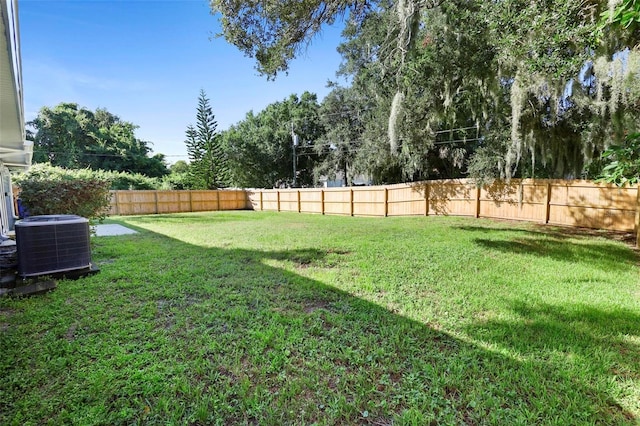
146,62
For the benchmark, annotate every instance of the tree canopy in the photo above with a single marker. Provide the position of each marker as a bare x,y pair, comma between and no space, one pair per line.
73,137
260,147
274,32
457,87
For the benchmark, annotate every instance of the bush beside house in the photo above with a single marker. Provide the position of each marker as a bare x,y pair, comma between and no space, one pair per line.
45,189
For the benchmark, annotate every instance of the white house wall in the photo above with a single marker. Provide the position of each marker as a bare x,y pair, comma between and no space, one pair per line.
15,151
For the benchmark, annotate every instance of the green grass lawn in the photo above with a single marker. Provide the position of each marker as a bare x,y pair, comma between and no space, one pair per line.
264,318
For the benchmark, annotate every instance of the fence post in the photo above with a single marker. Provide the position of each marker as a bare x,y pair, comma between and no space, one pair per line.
386,201
427,188
478,192
261,201
299,202
155,196
638,216
322,201
115,194
351,202
278,199
548,206
217,200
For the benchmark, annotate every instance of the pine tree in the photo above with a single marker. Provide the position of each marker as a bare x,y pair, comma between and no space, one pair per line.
208,165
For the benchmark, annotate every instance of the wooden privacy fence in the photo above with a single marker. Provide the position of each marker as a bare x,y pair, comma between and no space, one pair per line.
154,202
558,202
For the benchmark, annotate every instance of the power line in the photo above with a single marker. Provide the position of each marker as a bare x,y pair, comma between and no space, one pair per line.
300,147
372,150
92,154
457,141
329,145
439,132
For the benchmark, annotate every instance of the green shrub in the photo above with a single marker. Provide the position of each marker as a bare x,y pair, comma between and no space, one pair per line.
176,180
622,162
45,189
125,181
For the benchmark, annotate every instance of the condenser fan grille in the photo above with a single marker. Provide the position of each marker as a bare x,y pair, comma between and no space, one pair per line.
52,244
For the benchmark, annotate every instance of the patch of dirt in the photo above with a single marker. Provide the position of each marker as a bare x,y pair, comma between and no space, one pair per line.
230,375
6,314
395,377
451,393
332,384
619,411
70,335
303,264
315,305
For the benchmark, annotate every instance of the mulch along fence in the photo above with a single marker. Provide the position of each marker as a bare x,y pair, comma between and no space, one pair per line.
558,202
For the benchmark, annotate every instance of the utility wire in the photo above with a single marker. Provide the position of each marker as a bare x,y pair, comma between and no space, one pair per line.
368,150
299,147
328,145
454,130
91,154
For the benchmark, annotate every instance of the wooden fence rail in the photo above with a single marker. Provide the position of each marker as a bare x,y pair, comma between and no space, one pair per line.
557,202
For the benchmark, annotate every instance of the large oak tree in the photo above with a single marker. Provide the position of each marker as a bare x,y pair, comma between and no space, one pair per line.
74,137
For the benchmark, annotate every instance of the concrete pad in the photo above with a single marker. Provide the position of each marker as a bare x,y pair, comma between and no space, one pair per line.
35,288
111,229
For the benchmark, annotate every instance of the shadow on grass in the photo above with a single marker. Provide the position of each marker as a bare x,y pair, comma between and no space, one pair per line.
173,332
580,328
555,245
558,232
568,333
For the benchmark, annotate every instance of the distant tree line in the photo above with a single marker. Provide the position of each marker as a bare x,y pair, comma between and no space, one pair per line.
70,137
75,137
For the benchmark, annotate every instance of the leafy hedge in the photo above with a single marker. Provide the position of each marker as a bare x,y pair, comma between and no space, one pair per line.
123,180
45,189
